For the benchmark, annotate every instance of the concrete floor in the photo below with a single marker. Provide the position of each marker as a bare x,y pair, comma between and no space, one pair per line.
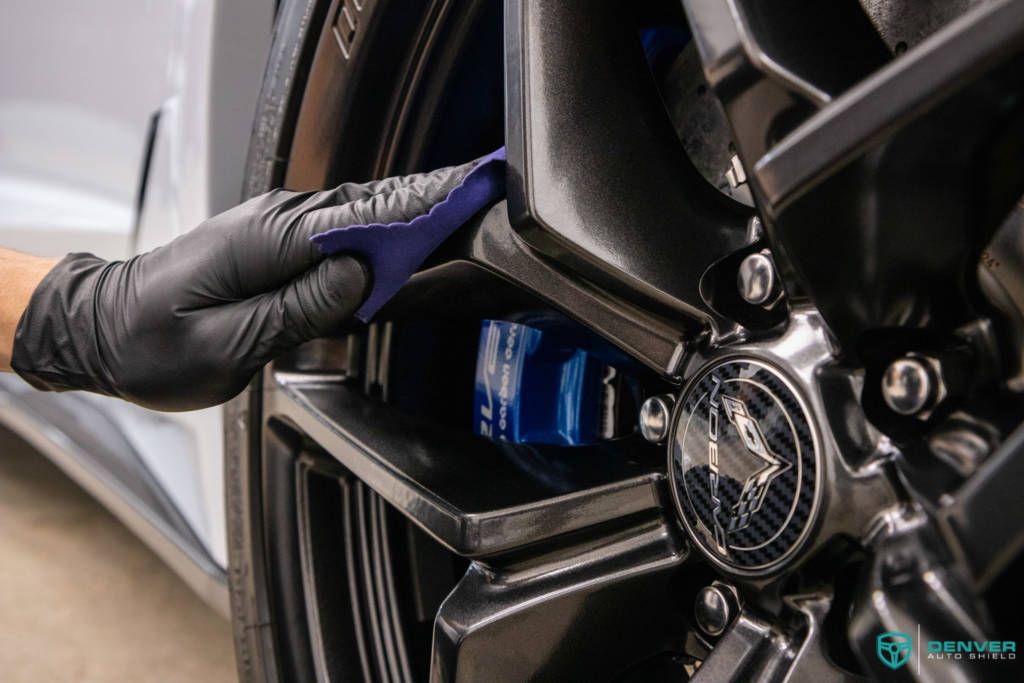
82,600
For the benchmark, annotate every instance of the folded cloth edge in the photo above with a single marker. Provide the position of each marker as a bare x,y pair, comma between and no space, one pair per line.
394,251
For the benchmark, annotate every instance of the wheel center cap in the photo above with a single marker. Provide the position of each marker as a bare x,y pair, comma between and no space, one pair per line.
744,465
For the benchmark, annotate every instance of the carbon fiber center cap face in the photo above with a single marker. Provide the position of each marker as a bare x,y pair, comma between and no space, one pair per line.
744,465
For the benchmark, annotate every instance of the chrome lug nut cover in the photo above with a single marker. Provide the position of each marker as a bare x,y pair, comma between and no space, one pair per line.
756,279
910,385
655,417
715,608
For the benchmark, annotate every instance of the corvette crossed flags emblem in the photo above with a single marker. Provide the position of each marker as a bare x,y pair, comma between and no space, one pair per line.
756,485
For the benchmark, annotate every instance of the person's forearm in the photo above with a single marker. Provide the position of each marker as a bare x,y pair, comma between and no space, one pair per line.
19,276
190,323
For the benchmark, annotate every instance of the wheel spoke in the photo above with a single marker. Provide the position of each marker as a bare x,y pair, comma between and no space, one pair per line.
981,522
597,174
490,244
764,61
475,496
880,196
892,100
910,587
754,649
554,613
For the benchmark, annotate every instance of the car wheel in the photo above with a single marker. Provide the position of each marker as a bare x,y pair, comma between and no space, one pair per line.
764,429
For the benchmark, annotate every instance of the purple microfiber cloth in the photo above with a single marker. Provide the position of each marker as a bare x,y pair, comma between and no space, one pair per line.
394,251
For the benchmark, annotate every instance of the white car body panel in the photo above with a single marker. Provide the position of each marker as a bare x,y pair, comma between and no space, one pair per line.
80,87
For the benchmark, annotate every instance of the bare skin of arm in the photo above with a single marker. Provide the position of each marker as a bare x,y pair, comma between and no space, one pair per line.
19,276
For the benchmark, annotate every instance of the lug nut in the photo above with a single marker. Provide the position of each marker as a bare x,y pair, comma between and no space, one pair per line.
655,417
756,279
715,608
913,385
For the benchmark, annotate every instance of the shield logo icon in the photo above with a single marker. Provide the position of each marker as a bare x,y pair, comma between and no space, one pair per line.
893,648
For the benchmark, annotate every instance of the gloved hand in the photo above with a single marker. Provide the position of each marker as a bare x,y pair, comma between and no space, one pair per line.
186,325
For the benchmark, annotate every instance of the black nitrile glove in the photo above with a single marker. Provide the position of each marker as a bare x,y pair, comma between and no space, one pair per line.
186,325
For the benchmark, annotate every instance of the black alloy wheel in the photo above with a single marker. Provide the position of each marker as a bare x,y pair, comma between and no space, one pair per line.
769,208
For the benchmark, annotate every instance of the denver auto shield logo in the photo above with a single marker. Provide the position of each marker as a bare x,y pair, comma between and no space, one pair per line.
893,648
744,465
983,657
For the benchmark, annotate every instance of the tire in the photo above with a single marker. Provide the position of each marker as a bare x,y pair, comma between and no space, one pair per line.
254,628
266,580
